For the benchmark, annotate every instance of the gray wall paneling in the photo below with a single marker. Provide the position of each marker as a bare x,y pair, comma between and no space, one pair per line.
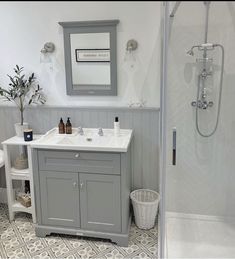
144,122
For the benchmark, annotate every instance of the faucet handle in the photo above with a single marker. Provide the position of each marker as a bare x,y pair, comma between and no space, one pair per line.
80,131
100,132
210,104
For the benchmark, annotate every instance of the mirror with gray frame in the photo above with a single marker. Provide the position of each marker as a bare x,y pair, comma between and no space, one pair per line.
90,57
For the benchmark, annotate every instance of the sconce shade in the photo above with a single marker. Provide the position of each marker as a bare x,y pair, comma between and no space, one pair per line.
131,45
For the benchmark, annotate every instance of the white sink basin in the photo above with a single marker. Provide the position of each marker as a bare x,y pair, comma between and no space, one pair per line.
89,141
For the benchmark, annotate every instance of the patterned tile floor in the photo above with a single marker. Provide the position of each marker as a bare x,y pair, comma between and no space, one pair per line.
18,240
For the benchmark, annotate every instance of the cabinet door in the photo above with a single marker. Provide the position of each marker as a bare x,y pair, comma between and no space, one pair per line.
59,198
100,202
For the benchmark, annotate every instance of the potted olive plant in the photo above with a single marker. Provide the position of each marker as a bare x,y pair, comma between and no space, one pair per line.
22,91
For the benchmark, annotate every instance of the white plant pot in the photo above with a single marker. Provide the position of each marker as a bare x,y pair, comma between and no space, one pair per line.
20,128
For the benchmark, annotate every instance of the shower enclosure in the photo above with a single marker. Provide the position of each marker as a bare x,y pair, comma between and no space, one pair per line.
197,210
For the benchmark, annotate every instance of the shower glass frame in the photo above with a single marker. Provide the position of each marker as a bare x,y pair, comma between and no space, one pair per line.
165,16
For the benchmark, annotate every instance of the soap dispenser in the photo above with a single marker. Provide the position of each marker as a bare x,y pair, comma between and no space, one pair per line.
68,126
116,127
61,127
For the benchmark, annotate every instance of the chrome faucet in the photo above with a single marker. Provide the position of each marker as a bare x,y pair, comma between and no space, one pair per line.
203,95
80,131
100,132
205,73
202,104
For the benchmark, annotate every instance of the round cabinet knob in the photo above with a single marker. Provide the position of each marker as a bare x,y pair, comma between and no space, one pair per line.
81,185
77,155
74,184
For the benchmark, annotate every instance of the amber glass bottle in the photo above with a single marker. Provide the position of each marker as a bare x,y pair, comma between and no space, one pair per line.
61,127
68,127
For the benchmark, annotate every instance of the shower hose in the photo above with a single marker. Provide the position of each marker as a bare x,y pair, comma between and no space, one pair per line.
219,100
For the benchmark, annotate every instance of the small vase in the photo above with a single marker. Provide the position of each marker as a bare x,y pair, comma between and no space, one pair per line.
20,128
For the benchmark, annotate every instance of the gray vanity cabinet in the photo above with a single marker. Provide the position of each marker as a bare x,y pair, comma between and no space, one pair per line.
82,193
60,196
100,202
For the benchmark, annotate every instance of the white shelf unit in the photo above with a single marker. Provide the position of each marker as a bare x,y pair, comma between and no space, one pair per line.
18,207
15,174
19,174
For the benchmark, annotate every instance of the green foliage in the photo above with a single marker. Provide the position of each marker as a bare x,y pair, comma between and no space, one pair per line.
23,91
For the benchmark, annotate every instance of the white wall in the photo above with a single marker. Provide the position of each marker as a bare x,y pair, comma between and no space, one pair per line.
26,26
203,180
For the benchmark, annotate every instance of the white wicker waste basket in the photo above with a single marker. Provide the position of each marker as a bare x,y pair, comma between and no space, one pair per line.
145,204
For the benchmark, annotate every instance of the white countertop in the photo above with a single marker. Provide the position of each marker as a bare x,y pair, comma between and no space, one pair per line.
106,143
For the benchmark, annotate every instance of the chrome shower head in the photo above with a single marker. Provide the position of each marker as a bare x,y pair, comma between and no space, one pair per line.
190,52
202,47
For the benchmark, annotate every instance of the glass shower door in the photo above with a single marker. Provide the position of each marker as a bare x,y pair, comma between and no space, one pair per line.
198,174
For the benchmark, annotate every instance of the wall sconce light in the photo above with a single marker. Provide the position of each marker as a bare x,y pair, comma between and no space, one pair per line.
131,46
47,49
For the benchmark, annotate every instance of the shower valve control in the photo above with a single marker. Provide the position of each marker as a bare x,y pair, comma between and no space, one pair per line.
202,104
